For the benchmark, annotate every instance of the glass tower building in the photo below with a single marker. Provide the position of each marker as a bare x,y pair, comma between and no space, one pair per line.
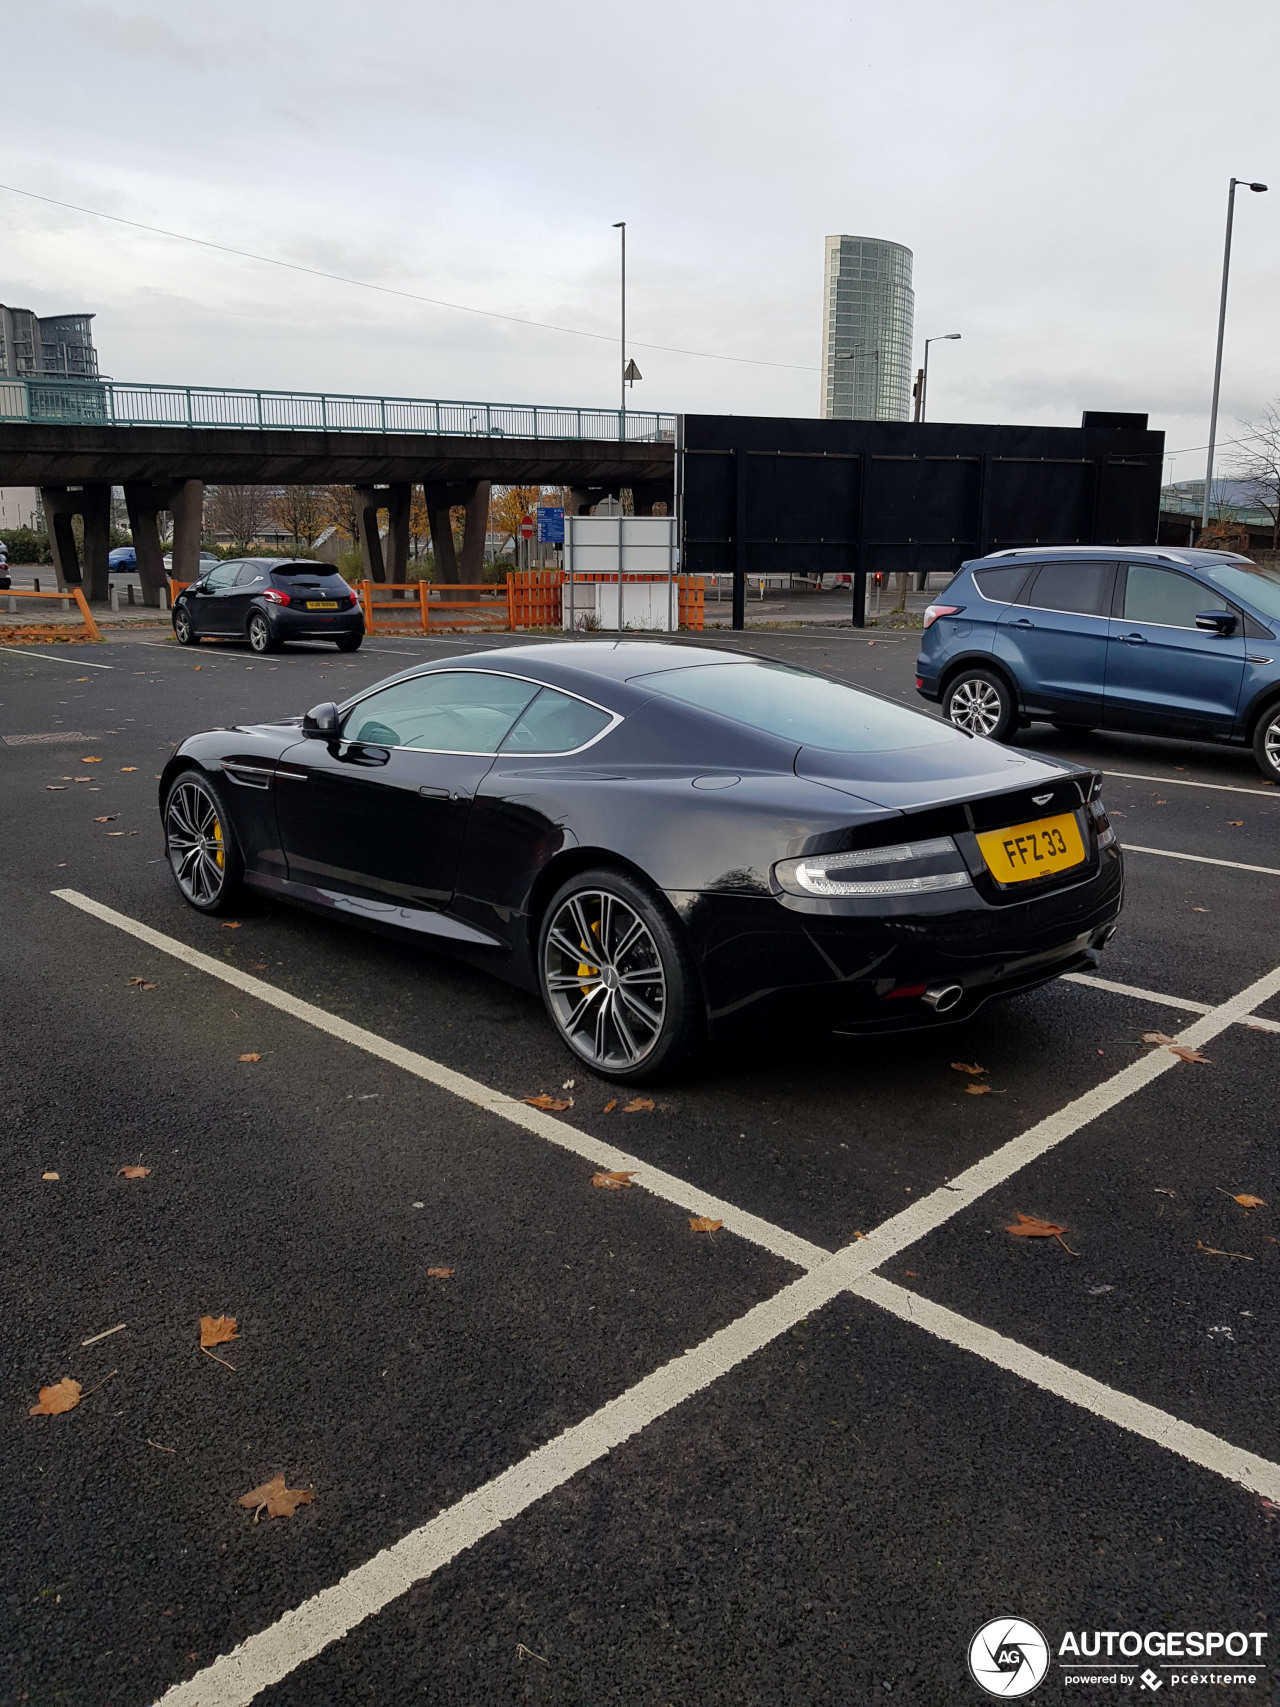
868,322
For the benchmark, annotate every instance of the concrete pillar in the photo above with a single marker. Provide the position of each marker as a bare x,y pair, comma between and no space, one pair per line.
60,504
188,529
398,497
440,499
367,528
653,492
477,526
96,502
144,501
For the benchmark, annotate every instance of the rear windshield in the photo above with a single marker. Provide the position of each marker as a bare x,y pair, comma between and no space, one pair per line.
1256,583
799,707
306,572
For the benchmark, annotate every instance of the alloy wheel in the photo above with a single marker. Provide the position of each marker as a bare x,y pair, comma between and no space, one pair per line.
196,843
259,634
605,980
1271,746
976,706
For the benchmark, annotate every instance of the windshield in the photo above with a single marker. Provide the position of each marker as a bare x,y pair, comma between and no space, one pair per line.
1256,584
305,572
799,707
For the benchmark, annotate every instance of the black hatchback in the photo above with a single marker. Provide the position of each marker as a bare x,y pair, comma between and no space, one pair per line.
266,600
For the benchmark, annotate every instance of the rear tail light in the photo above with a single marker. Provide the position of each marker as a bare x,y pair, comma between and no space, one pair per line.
276,598
353,598
909,868
932,614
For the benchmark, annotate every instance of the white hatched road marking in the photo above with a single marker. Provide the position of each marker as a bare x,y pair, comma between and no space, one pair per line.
1202,859
1185,782
234,1679
1255,1022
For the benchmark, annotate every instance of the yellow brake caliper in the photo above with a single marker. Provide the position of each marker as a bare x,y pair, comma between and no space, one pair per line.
585,971
217,836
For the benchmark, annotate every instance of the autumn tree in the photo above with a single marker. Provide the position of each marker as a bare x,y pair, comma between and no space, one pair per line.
507,504
1257,461
239,512
337,505
299,512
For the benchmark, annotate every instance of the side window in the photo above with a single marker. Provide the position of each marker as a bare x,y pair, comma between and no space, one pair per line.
1164,596
555,723
249,574
222,577
449,711
1001,585
1081,588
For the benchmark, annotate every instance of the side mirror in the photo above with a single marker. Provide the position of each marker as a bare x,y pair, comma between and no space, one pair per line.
1221,622
321,722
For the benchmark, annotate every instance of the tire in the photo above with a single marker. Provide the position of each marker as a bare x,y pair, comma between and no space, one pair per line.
201,845
350,642
981,702
182,629
659,1021
1266,743
258,630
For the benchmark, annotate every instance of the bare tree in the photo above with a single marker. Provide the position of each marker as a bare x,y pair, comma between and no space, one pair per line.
299,511
1257,461
240,512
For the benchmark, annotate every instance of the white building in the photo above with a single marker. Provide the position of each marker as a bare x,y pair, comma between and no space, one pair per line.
20,507
868,323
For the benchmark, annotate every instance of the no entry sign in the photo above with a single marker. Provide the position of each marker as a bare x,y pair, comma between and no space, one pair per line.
526,527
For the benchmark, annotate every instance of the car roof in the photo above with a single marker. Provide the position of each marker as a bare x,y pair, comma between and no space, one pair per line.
1188,557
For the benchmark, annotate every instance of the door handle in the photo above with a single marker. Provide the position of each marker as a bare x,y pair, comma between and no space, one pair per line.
1134,639
434,793
1022,622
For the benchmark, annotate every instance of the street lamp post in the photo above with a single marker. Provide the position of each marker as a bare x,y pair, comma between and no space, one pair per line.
942,338
1258,189
621,225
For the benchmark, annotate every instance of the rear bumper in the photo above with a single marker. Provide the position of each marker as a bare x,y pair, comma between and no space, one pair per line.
767,968
286,623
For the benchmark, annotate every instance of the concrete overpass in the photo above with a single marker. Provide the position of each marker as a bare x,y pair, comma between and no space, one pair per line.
163,444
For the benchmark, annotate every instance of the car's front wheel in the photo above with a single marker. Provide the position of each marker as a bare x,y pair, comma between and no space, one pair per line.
201,844
617,977
183,632
981,702
261,638
1266,743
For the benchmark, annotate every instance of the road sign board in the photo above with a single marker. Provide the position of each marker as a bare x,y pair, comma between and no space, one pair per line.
550,524
526,527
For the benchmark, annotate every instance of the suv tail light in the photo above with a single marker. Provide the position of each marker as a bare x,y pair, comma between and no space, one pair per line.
932,614
273,597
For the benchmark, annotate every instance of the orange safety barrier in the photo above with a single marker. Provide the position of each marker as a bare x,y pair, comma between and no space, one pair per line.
534,598
52,632
176,587
428,614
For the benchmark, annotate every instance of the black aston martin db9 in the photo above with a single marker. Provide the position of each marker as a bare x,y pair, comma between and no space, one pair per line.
669,842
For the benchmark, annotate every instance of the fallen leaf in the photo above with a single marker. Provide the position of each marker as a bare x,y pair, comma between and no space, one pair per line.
1199,909
50,1176
1165,1190
1032,1227
613,1182
217,1330
966,1067
1184,1052
554,1105
273,1497
1247,1200
610,1106
133,1173
128,767
440,1273
568,1085
140,984
91,761
638,1105
1156,1037
109,819
115,832
231,924
704,1224
82,779
250,1057
977,1090
55,787
911,1274
1209,1251
1236,823
63,1396
859,1235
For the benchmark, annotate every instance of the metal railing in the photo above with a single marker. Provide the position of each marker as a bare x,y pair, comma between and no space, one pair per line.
113,403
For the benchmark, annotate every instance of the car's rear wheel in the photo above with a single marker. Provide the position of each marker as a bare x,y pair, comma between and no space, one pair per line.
1266,743
184,633
350,642
981,702
261,638
201,845
617,977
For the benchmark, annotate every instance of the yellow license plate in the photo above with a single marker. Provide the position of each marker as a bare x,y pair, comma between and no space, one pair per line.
322,604
1032,850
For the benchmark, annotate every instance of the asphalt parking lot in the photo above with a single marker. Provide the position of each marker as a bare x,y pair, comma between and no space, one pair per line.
605,1458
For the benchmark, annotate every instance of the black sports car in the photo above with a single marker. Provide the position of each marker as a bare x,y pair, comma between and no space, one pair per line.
667,841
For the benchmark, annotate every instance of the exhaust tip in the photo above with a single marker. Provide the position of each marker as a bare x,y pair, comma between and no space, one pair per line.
942,997
1105,935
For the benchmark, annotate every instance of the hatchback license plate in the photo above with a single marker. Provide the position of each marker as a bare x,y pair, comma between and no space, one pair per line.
322,604
1025,851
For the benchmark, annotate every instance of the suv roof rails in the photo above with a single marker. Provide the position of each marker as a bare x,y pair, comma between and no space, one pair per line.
1155,551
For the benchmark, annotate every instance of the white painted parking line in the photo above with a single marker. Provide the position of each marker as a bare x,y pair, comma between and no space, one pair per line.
52,658
1203,859
1185,782
1254,1021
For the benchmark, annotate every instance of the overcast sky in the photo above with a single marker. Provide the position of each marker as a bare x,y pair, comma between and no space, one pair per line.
1058,167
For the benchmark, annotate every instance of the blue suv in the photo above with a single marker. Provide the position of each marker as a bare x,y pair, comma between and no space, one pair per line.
1166,642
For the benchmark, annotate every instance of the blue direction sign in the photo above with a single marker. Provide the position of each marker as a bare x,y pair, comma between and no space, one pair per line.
550,524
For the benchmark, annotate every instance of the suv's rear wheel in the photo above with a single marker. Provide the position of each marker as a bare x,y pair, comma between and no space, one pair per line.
1266,743
981,702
